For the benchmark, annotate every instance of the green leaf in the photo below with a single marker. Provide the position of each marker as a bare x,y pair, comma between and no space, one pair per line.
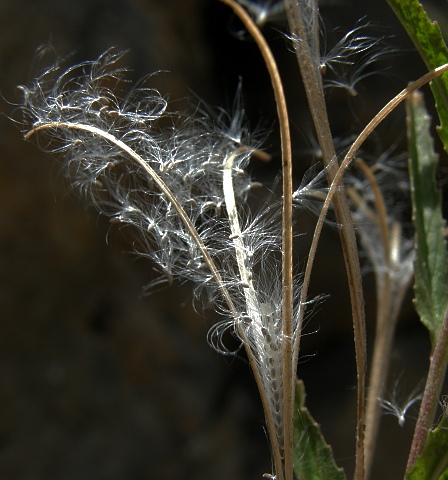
431,258
432,464
313,458
428,39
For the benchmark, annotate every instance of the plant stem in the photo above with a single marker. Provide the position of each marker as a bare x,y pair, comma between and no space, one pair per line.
313,87
433,387
385,325
389,296
287,261
253,308
134,156
389,301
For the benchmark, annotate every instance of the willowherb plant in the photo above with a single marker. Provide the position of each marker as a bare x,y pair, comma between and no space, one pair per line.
180,182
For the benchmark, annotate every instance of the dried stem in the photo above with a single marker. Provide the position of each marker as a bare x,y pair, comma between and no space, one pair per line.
287,261
385,322
160,184
313,86
385,325
252,304
380,207
389,297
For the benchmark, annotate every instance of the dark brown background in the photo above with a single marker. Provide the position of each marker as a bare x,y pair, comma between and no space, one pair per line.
97,381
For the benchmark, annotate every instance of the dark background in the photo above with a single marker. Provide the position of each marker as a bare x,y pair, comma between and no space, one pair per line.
98,381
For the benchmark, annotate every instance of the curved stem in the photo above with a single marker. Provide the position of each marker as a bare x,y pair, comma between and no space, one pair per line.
162,187
380,207
313,87
287,263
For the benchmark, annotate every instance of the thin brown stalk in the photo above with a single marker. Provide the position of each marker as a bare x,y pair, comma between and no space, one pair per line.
313,87
380,207
382,114
287,262
385,325
389,300
160,184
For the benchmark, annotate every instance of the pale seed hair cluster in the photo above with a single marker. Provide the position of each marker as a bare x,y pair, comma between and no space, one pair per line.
180,182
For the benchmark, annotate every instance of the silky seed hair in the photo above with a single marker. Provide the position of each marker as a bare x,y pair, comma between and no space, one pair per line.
186,152
180,183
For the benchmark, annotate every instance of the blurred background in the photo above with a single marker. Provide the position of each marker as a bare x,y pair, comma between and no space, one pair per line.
99,381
